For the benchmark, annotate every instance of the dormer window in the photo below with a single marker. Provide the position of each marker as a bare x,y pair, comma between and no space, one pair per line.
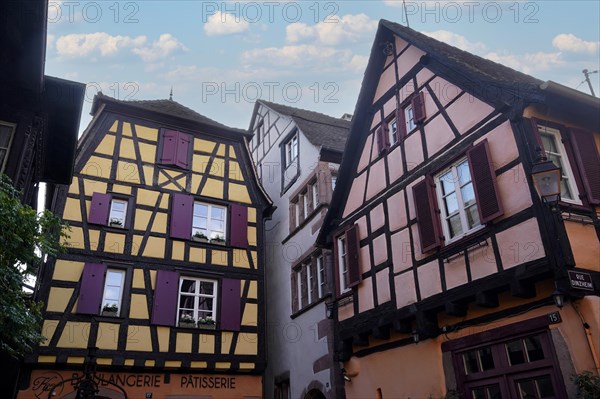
291,150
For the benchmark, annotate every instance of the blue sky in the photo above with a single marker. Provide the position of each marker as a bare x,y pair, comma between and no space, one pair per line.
220,56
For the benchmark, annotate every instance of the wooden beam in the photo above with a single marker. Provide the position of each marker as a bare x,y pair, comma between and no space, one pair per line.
427,325
486,299
458,309
522,289
381,332
346,350
403,326
361,339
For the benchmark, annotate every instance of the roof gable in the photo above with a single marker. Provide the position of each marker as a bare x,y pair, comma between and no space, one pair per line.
321,130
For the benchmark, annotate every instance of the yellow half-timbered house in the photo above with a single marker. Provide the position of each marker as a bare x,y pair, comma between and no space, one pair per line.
163,274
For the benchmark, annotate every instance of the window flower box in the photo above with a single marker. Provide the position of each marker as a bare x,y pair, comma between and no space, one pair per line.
219,240
116,223
207,323
187,321
110,310
199,237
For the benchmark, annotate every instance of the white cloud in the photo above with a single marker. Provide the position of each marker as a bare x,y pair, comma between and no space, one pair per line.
456,40
529,62
161,48
85,44
571,43
222,23
334,30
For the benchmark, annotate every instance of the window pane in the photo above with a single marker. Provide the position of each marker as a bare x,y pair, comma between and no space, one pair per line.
112,293
188,286
200,210
494,392
486,359
472,216
118,206
565,191
207,287
471,363
527,389
515,352
113,278
217,225
451,203
549,143
478,393
455,226
447,183
5,133
468,194
217,213
534,348
464,175
544,385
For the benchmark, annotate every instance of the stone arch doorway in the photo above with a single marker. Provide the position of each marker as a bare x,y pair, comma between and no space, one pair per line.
314,394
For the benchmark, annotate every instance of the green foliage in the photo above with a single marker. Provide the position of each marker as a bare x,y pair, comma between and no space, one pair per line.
25,238
588,385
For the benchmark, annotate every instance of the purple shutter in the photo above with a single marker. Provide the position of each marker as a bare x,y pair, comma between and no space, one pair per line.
427,219
483,177
99,208
169,147
182,212
400,123
164,305
183,150
418,104
352,256
239,226
588,160
91,288
230,305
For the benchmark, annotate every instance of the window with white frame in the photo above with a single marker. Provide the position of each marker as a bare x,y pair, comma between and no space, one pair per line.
333,181
409,117
113,291
291,150
209,221
118,212
456,198
321,277
393,131
314,189
555,151
6,135
343,263
197,299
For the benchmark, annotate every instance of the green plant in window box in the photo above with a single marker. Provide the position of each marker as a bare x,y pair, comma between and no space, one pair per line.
588,385
218,239
207,323
116,222
187,321
110,309
199,236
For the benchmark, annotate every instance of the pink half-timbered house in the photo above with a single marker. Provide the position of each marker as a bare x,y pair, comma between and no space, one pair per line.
447,263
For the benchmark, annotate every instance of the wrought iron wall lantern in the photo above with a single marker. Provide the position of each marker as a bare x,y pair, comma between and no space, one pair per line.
86,384
546,179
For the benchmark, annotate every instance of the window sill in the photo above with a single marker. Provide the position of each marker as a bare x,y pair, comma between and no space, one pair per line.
310,217
310,306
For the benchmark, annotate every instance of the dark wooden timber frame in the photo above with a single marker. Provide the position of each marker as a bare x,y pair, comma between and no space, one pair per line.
421,317
109,111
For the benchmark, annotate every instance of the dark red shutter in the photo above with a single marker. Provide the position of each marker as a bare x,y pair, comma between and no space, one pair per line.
588,160
100,208
182,212
386,135
380,140
336,264
231,312
401,124
164,306
352,256
483,176
169,147
91,288
304,285
184,142
239,226
427,218
418,105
